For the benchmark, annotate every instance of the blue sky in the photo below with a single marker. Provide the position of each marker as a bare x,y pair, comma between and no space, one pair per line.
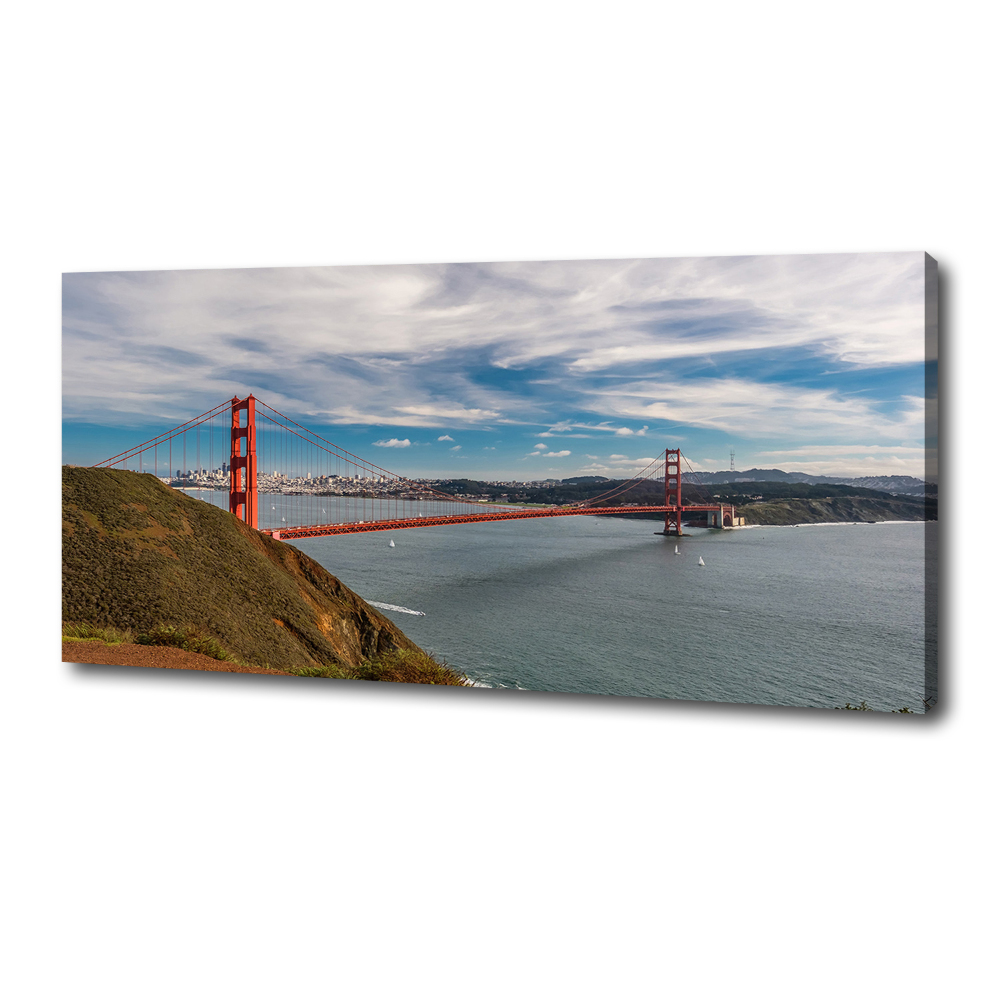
520,370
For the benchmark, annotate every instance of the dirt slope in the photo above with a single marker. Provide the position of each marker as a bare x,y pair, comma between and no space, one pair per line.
133,655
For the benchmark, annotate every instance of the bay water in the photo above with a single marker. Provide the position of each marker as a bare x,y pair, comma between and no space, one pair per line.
815,615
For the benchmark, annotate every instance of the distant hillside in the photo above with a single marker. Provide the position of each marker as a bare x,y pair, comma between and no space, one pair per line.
845,508
138,555
756,491
887,484
744,490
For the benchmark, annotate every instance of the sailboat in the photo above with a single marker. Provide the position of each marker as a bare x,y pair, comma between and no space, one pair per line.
701,562
677,550
392,544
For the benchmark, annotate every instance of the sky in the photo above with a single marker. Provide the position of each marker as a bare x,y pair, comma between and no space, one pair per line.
525,371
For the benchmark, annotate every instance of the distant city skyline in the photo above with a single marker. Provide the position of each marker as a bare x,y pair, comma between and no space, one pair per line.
521,371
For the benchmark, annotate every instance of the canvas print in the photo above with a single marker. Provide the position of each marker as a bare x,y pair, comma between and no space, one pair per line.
702,479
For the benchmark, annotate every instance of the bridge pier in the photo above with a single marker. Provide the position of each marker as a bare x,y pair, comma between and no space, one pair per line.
672,524
724,517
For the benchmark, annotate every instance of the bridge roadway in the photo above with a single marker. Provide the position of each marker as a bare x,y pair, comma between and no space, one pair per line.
354,527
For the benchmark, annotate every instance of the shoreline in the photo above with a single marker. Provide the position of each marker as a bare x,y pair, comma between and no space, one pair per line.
823,524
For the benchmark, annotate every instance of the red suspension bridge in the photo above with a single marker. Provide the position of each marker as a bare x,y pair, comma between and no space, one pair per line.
285,480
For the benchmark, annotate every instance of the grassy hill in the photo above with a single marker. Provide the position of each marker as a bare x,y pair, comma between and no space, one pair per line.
142,558
744,492
838,508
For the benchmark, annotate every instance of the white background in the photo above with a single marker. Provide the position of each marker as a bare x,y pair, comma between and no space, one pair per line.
241,836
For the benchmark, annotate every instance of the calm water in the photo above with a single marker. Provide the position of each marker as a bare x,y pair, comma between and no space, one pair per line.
811,616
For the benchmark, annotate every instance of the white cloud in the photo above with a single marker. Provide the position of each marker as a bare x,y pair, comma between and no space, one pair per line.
853,460
393,443
557,454
457,447
617,466
892,464
388,345
842,449
562,429
541,446
443,412
763,410
446,437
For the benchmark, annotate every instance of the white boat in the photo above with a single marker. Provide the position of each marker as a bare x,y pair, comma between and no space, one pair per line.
701,562
677,550
392,544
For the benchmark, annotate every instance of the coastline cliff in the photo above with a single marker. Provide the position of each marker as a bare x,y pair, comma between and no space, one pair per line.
143,560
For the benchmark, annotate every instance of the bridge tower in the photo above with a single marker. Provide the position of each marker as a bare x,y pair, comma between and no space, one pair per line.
243,463
672,484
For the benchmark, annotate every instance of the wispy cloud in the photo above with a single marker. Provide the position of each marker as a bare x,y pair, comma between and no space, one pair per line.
393,443
766,351
842,449
616,466
435,414
850,460
564,428
327,340
763,410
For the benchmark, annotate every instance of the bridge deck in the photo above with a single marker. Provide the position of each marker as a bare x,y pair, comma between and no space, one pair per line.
355,527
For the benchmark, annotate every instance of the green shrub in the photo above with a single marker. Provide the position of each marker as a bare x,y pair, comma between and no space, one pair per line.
401,666
183,638
83,631
330,670
405,666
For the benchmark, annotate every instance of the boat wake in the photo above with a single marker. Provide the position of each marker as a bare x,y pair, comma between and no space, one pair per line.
395,607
